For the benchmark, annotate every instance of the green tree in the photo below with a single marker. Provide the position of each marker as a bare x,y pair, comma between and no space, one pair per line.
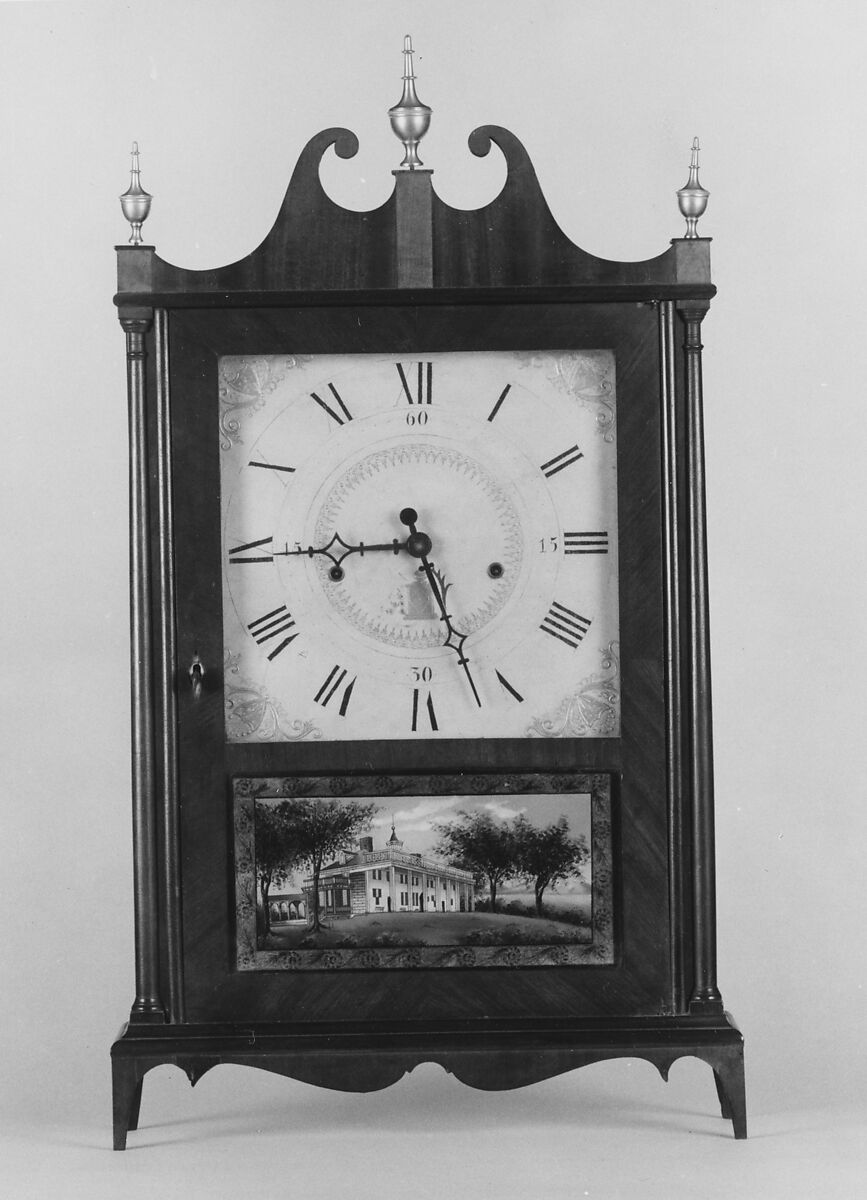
547,856
476,842
318,830
275,858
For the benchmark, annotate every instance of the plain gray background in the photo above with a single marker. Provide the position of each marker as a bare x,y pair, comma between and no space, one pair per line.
606,97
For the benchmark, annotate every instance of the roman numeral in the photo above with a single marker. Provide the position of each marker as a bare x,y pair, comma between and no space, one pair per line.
503,396
421,391
585,543
504,681
242,550
272,625
561,461
334,415
270,466
335,677
561,622
416,711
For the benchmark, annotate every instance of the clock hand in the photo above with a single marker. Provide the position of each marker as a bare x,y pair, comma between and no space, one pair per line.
419,546
336,571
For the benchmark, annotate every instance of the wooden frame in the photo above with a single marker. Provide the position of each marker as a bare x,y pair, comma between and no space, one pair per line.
418,275
644,976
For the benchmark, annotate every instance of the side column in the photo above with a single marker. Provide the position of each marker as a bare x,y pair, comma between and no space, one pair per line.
706,996
681,901
147,1007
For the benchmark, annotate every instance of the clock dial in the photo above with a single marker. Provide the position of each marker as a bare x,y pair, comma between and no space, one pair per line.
421,549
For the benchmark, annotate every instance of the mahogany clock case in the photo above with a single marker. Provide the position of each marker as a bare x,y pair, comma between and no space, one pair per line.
413,279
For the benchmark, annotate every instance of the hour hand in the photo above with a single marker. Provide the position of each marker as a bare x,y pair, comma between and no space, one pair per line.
337,550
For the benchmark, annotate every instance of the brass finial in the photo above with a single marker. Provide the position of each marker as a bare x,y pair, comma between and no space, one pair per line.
409,117
692,197
135,202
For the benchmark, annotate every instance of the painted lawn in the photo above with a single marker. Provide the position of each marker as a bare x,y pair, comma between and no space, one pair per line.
431,929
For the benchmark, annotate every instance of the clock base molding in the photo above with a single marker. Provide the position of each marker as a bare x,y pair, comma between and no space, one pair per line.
500,1056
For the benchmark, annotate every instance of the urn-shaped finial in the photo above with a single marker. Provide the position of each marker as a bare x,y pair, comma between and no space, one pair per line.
135,201
692,197
409,117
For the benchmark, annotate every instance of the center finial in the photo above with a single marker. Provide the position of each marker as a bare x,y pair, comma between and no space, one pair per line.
409,117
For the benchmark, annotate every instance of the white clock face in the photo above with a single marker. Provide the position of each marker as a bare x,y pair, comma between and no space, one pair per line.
419,549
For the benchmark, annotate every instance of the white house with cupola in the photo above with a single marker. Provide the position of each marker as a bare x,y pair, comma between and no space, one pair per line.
390,880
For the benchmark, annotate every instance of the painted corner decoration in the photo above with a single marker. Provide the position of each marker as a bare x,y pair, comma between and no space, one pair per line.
340,873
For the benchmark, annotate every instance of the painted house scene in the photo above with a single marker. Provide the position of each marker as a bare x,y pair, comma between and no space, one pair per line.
433,871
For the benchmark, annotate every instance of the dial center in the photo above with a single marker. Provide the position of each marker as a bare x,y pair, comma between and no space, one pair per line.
385,596
419,545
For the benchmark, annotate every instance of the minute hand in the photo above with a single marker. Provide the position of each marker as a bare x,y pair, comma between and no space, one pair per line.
418,544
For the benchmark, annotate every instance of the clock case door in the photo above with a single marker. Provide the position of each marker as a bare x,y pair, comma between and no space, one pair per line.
643,979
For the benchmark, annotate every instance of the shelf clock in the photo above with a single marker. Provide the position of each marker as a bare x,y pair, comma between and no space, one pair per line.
421,695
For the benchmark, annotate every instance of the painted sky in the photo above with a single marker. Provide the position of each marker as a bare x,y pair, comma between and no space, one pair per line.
415,817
